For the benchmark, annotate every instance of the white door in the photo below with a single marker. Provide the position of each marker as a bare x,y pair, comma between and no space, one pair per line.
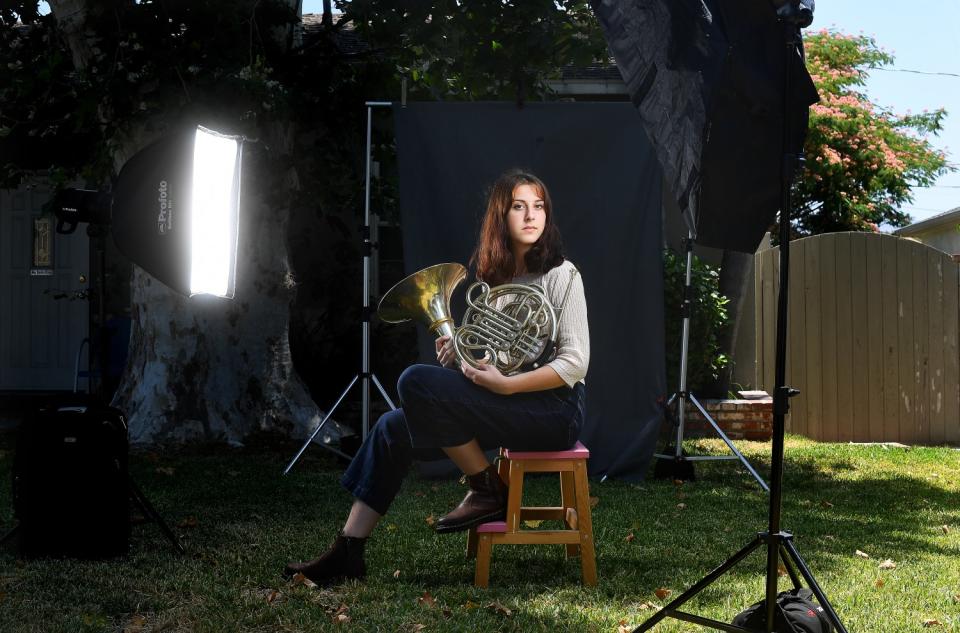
43,309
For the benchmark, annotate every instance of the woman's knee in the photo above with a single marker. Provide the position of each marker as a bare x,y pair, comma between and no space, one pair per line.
391,426
415,382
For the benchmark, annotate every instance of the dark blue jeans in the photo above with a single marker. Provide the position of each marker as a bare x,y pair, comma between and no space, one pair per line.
439,408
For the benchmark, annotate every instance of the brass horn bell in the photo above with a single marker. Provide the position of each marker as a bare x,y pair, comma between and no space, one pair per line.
425,297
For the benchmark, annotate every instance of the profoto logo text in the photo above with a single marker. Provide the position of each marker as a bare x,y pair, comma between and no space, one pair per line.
165,217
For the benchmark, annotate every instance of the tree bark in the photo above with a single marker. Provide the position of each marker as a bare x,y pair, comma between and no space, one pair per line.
211,369
204,368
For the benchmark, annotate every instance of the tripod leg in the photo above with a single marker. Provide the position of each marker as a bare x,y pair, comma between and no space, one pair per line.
671,608
383,393
320,426
726,440
788,565
153,515
814,587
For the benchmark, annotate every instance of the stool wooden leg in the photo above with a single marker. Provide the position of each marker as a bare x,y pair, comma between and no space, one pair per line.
514,496
588,561
481,577
568,496
472,543
503,467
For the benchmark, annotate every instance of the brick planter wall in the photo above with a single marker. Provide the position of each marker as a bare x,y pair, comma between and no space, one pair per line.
739,419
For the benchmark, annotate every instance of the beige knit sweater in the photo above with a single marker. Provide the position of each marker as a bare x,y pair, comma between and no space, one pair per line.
573,336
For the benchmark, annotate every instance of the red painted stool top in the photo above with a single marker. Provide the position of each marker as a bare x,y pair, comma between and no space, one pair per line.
578,451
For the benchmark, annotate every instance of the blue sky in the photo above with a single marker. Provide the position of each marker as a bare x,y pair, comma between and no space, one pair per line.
922,35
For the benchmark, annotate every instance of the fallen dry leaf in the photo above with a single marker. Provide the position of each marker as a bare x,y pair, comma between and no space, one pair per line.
862,554
879,583
189,522
677,482
594,501
391,527
826,504
945,529
426,600
887,564
135,624
630,538
416,628
341,618
430,520
648,605
165,470
470,605
956,598
300,579
681,506
931,623
781,570
496,607
396,574
623,628
274,596
663,592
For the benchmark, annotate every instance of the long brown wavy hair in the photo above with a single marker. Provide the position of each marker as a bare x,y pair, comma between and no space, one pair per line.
493,257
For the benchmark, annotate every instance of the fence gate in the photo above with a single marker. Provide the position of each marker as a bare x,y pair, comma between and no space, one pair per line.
872,338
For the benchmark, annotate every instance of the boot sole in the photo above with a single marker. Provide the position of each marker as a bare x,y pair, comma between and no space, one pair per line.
462,527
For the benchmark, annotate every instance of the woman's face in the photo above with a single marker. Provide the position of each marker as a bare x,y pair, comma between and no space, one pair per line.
527,217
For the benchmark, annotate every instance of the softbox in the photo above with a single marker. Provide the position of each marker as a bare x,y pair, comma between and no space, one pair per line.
707,79
176,211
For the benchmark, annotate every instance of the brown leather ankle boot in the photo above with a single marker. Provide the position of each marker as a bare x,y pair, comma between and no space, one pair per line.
486,501
342,561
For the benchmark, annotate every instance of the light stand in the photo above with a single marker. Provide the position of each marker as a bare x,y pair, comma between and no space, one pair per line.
678,468
779,544
365,375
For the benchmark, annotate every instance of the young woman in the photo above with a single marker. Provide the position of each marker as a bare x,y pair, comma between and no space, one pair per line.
459,412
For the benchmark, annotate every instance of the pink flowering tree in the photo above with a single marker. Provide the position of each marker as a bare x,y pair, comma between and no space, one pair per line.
862,159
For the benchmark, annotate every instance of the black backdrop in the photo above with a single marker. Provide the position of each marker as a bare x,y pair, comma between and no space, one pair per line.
605,184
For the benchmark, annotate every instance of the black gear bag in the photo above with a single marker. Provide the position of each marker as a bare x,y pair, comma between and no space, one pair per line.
70,483
796,612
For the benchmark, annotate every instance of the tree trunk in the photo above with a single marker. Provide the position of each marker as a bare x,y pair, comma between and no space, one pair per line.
211,369
204,368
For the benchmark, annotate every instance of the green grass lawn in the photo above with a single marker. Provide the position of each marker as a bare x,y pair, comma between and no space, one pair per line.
241,520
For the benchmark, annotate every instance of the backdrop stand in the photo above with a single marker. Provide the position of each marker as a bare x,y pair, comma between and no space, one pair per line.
680,465
365,376
779,544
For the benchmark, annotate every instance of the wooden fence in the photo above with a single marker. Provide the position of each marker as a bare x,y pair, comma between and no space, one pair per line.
872,338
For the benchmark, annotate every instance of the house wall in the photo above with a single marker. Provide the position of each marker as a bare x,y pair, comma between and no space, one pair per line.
43,306
945,238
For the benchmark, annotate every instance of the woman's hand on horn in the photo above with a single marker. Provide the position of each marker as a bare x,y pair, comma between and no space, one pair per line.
487,376
445,353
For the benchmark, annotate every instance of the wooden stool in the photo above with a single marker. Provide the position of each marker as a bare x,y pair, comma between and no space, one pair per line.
574,510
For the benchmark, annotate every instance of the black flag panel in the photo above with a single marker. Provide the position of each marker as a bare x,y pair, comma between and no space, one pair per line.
707,79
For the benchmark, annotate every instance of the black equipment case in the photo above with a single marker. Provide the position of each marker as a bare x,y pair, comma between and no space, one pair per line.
70,484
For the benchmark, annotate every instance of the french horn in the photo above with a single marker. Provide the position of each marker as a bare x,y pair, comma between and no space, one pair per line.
511,326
